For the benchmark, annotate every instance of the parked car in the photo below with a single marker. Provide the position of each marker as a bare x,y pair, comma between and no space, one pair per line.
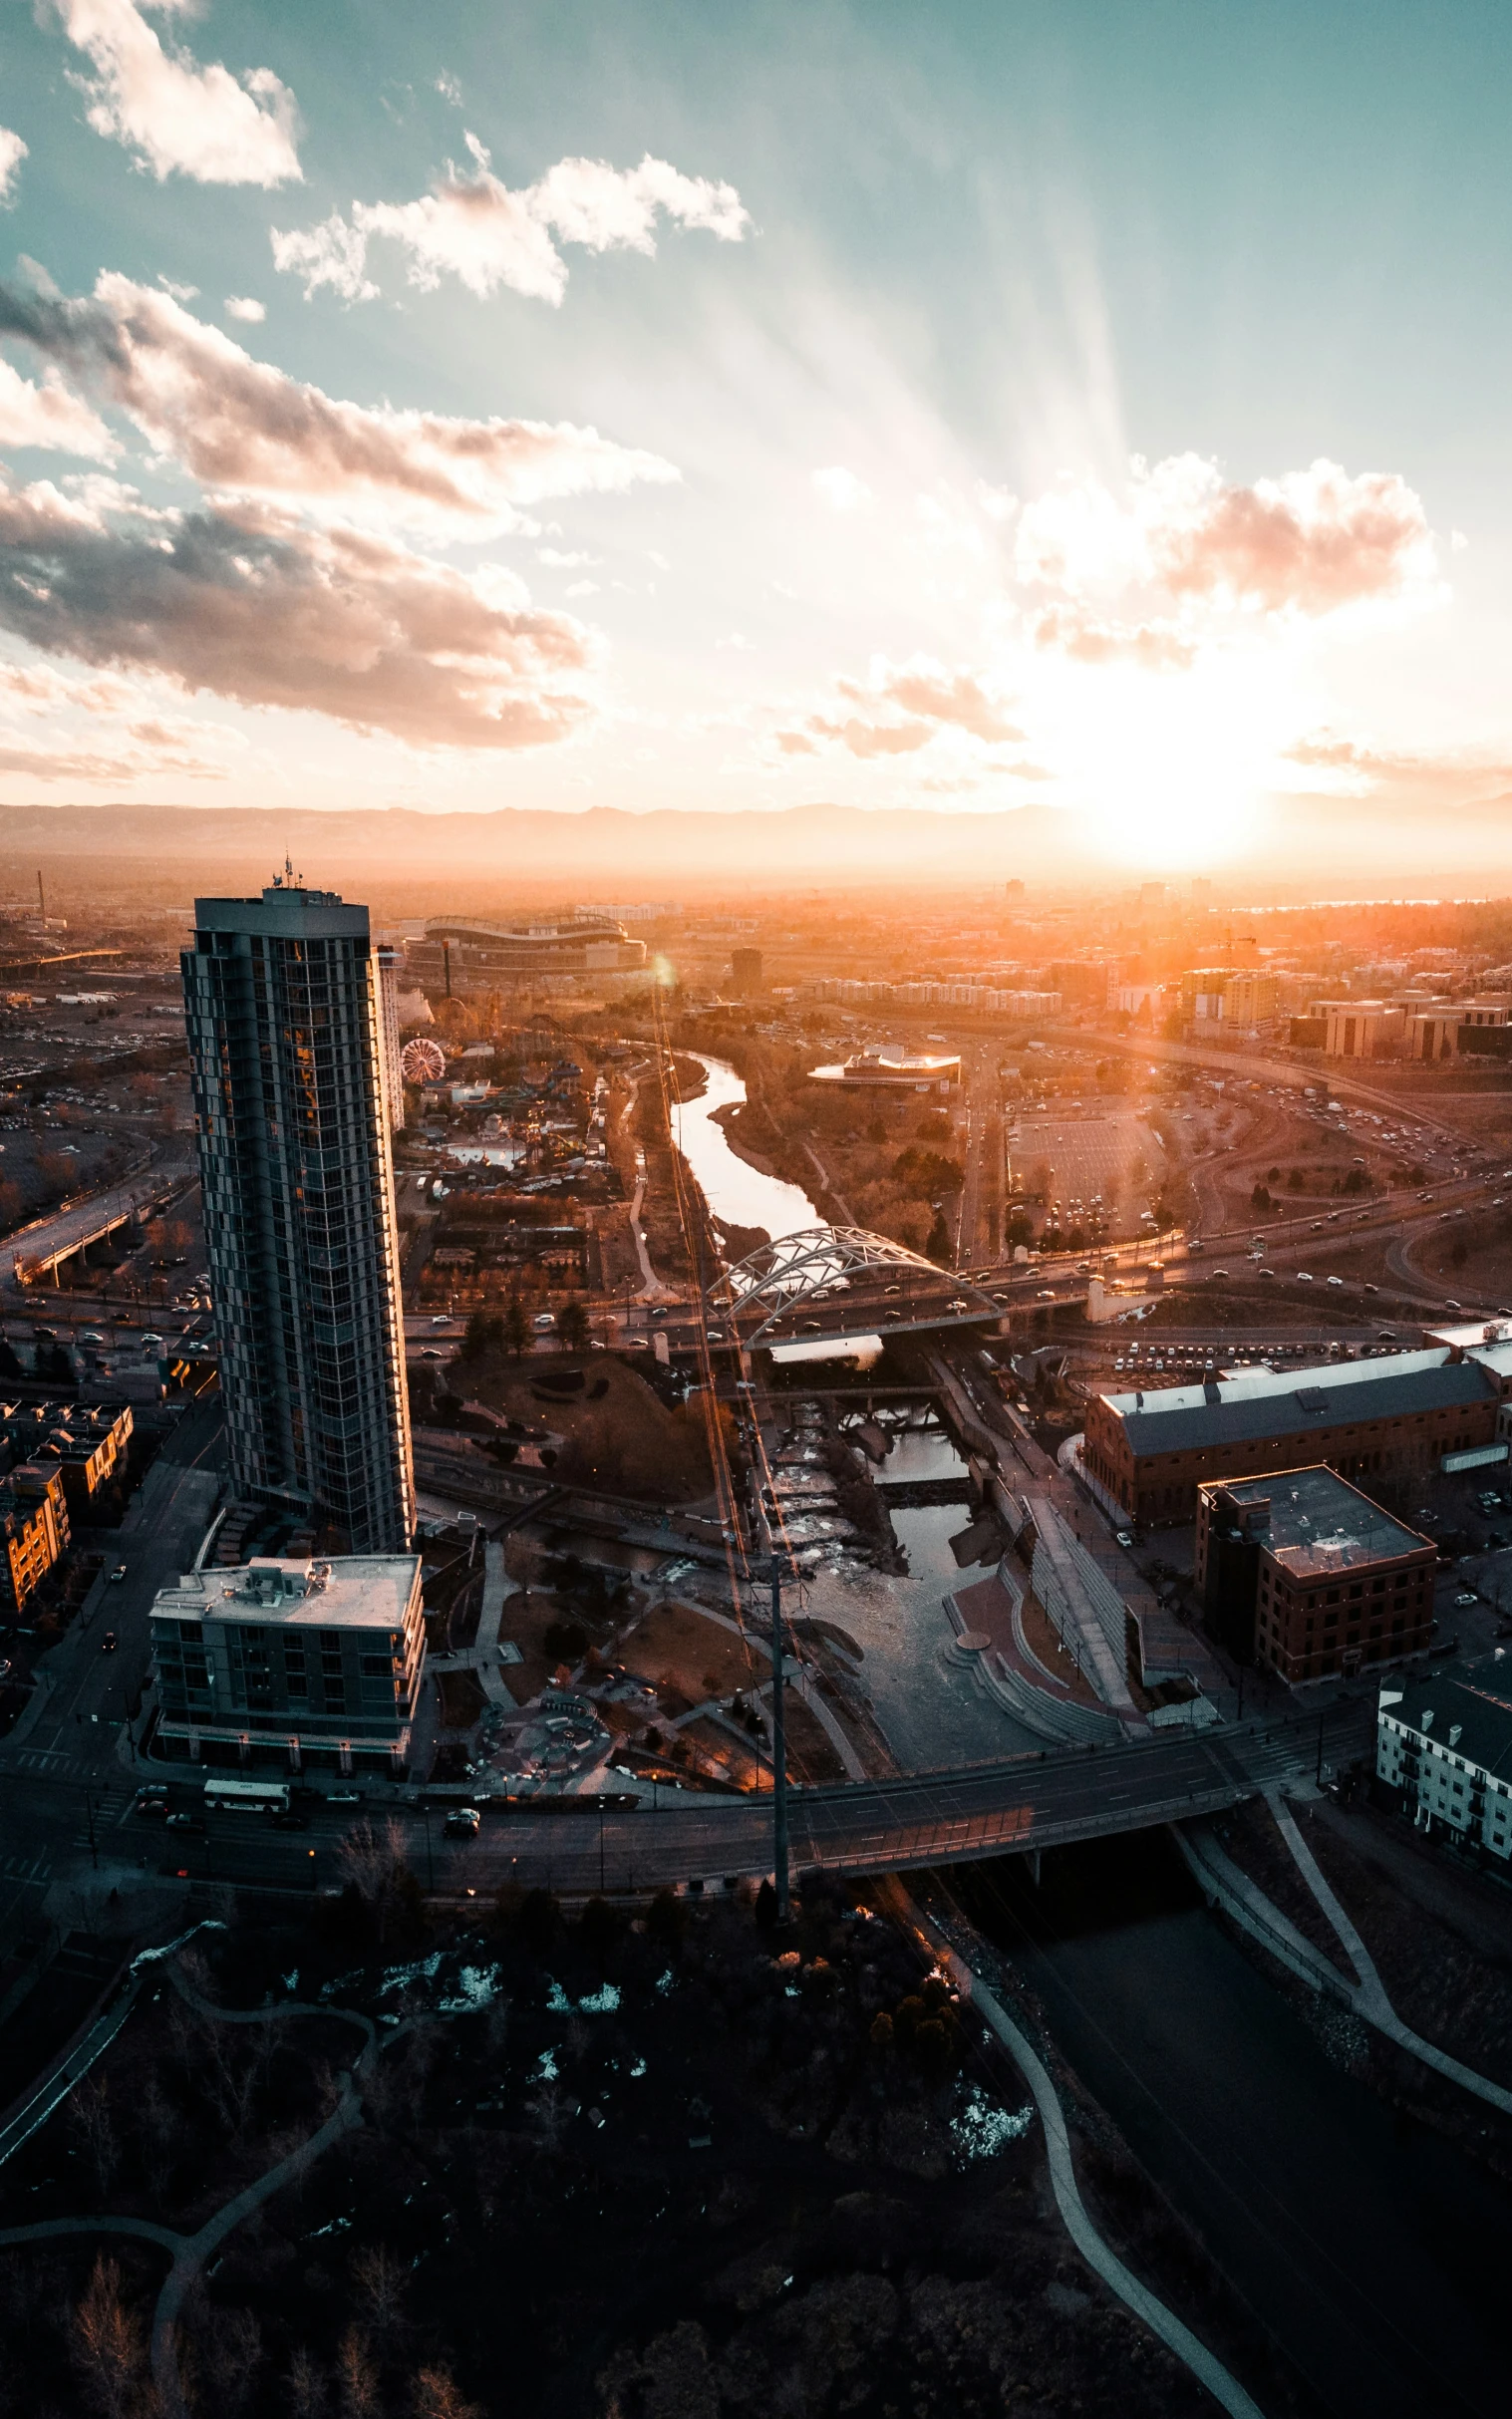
118,1575
462,1823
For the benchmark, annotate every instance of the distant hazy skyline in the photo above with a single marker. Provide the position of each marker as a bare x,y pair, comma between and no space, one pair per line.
987,405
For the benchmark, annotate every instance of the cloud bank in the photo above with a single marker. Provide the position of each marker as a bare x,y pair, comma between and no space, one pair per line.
249,604
178,117
241,425
474,227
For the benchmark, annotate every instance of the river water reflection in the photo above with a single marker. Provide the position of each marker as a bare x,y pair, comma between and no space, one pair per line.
736,1194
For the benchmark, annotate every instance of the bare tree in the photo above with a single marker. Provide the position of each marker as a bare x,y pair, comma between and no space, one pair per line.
230,2348
306,2386
378,2285
105,2342
549,2110
357,2371
90,2123
435,2394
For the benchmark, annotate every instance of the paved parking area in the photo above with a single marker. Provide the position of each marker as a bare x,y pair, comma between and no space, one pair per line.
1113,1154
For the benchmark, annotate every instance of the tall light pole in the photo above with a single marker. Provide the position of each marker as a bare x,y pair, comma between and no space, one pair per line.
778,1751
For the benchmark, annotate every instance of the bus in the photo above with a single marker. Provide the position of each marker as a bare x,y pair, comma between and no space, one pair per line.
246,1797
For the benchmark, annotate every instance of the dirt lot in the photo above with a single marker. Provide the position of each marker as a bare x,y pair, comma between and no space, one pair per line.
686,1656
624,1439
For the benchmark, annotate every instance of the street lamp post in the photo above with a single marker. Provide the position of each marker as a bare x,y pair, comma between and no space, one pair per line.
779,1750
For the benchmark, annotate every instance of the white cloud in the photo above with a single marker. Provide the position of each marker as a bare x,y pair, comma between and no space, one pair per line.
998,504
448,89
474,227
12,152
180,119
245,307
841,490
47,415
331,254
556,560
245,427
901,708
1307,543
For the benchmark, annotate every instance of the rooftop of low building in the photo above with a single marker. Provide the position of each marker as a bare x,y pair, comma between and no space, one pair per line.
363,1591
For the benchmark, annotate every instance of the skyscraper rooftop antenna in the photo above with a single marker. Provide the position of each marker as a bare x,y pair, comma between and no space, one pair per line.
288,879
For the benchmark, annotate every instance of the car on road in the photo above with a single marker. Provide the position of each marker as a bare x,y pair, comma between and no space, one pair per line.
344,1797
545,1321
462,1823
442,1320
109,1643
150,1804
118,1575
1335,1280
1302,1278
185,1822
287,1819
431,1353
1124,1539
1466,1597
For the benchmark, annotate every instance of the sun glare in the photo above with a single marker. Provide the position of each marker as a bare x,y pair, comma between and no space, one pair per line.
1169,771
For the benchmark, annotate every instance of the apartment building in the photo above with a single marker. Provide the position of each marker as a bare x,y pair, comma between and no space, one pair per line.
1303,1575
34,1531
1444,1747
285,1016
287,1661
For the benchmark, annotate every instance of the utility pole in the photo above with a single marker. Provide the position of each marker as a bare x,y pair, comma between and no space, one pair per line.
779,1750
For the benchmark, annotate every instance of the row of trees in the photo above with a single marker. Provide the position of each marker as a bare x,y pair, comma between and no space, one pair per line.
509,1330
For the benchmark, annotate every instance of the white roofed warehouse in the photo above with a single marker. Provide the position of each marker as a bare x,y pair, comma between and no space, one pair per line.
281,1662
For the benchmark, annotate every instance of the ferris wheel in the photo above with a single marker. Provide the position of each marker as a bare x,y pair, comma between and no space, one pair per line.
422,1061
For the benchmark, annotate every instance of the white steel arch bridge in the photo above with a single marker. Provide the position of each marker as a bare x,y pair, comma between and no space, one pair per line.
839,1281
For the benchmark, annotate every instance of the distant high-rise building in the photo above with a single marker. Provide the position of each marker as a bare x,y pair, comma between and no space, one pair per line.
388,963
746,971
282,996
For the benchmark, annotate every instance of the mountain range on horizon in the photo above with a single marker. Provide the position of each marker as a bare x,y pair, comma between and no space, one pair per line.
608,853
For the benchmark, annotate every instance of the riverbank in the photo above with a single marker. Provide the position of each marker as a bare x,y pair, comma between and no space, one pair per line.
1368,2246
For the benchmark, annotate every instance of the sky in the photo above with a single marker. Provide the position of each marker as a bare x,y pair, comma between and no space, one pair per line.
974,408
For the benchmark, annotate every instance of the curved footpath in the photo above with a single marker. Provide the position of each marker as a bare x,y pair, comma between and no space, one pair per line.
189,2253
1227,1884
1177,2337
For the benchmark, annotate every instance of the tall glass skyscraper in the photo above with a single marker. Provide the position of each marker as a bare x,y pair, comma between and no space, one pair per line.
287,1051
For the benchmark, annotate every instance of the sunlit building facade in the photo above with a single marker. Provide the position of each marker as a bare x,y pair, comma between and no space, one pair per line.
285,1043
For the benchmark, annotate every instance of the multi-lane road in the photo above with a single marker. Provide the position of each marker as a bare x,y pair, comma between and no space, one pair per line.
65,1756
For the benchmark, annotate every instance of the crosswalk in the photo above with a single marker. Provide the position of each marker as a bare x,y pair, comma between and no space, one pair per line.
34,1759
29,1872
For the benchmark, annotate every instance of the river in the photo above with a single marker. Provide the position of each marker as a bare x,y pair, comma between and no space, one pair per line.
1372,2250
736,1194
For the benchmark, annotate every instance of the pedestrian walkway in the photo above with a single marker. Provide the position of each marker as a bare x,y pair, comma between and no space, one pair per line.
1194,2355
1242,1899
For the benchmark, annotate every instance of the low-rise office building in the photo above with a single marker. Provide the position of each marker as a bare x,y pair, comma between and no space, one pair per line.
1303,1575
1444,1747
285,1661
1403,1418
34,1531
